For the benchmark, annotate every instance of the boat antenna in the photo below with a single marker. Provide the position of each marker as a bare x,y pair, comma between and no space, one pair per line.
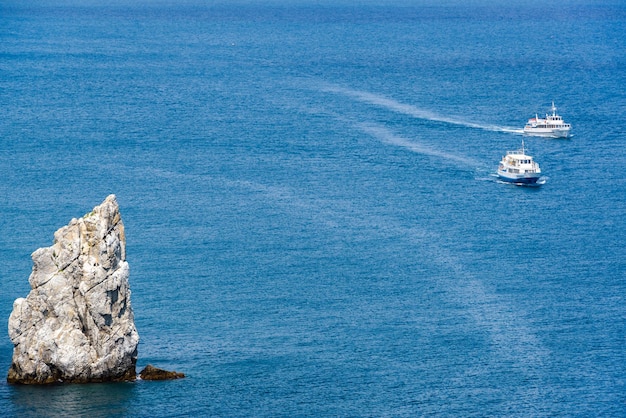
553,109
523,151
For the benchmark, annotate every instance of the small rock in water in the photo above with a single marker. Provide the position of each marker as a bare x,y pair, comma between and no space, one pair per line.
152,373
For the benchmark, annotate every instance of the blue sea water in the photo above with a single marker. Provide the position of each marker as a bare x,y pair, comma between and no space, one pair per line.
313,223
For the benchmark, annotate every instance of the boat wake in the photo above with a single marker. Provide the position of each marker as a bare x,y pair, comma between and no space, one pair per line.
386,136
413,111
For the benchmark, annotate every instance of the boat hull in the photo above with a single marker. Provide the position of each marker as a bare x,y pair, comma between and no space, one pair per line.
547,133
519,179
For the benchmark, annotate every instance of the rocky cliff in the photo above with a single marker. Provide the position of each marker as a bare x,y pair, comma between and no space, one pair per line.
77,325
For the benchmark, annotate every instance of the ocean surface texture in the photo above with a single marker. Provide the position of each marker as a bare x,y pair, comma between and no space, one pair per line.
313,222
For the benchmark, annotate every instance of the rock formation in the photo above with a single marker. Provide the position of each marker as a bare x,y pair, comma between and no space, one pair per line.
152,373
77,324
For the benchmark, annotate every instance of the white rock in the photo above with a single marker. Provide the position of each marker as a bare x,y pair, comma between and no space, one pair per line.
77,324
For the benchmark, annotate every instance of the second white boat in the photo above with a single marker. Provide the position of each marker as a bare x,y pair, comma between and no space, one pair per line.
553,126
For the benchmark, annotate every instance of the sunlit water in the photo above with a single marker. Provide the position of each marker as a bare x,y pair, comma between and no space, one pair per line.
313,221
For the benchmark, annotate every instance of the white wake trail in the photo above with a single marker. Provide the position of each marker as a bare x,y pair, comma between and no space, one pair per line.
386,136
411,110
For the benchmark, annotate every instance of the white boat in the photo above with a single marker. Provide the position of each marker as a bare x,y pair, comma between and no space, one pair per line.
552,126
518,168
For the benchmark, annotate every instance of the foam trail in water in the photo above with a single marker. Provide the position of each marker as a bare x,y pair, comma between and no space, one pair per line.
386,136
513,339
412,110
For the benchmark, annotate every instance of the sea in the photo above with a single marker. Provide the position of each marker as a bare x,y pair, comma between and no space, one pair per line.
313,219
